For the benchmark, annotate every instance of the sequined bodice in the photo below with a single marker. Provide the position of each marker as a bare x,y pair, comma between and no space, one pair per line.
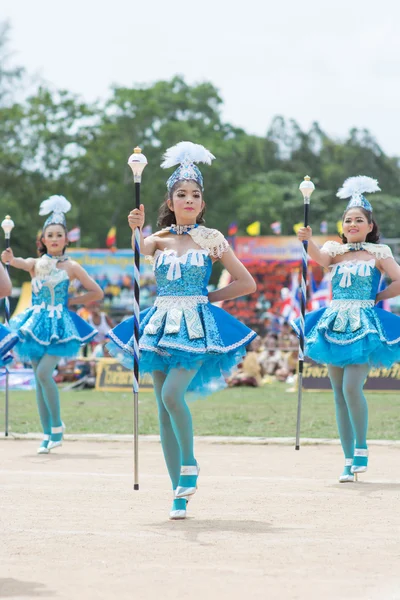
51,290
355,280
185,275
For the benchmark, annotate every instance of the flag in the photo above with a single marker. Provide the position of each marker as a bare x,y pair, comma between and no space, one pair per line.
147,230
323,227
339,227
233,228
312,285
297,226
276,227
254,228
323,295
74,235
291,305
111,238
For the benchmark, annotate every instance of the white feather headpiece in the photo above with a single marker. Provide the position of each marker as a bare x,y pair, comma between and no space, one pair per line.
186,154
355,187
57,206
186,150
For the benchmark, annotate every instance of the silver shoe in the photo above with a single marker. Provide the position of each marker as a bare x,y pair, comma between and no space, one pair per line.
177,515
360,452
51,445
44,449
181,491
349,478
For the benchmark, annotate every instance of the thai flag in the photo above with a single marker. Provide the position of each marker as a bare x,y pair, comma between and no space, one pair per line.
74,235
291,305
323,295
276,227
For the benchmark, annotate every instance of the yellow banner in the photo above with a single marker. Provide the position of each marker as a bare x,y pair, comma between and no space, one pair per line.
111,376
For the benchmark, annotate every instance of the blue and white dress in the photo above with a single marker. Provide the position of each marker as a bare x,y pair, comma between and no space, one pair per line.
352,330
183,329
8,340
48,327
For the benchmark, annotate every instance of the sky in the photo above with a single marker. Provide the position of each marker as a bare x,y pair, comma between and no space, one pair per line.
332,62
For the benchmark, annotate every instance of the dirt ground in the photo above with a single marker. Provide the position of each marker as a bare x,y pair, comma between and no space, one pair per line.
266,523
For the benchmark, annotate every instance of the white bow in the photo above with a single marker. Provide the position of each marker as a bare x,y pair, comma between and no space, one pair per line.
38,307
174,271
365,267
348,270
55,310
36,285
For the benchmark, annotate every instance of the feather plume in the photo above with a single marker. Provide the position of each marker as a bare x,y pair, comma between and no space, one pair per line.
186,150
355,186
57,204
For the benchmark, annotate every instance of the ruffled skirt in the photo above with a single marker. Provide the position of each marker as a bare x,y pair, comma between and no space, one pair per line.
202,337
8,340
61,334
352,333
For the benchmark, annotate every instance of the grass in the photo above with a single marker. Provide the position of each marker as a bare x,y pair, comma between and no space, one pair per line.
267,412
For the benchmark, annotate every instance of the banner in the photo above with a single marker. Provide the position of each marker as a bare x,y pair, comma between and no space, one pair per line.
315,377
18,379
114,272
111,376
274,248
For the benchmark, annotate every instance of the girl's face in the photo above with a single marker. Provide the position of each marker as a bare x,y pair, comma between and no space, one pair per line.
187,202
55,239
356,226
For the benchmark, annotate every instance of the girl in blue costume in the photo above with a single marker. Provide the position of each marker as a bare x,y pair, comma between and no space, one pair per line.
352,334
47,330
8,339
186,343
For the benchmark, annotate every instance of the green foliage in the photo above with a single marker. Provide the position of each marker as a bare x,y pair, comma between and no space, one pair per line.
53,142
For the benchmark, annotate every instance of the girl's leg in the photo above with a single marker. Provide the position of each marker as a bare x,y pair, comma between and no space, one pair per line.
44,412
343,420
44,374
173,397
353,384
169,443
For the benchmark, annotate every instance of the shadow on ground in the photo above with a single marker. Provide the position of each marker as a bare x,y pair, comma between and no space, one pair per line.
12,588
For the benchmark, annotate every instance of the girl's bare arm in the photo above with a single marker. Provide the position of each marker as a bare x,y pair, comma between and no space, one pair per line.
94,291
242,284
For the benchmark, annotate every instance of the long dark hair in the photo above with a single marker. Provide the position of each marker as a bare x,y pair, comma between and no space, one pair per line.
374,235
166,216
40,245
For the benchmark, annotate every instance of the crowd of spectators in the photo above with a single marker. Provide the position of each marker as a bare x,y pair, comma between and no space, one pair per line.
272,356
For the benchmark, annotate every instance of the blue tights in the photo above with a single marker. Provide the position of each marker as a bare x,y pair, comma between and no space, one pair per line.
176,429
351,405
47,396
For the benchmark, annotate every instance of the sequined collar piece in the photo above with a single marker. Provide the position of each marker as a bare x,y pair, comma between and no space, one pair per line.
182,229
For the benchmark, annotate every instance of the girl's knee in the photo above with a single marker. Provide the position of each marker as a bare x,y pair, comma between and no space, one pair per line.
339,397
350,390
42,375
170,401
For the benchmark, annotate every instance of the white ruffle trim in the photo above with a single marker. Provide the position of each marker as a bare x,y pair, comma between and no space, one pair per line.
380,251
6,340
345,304
168,302
210,239
209,349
